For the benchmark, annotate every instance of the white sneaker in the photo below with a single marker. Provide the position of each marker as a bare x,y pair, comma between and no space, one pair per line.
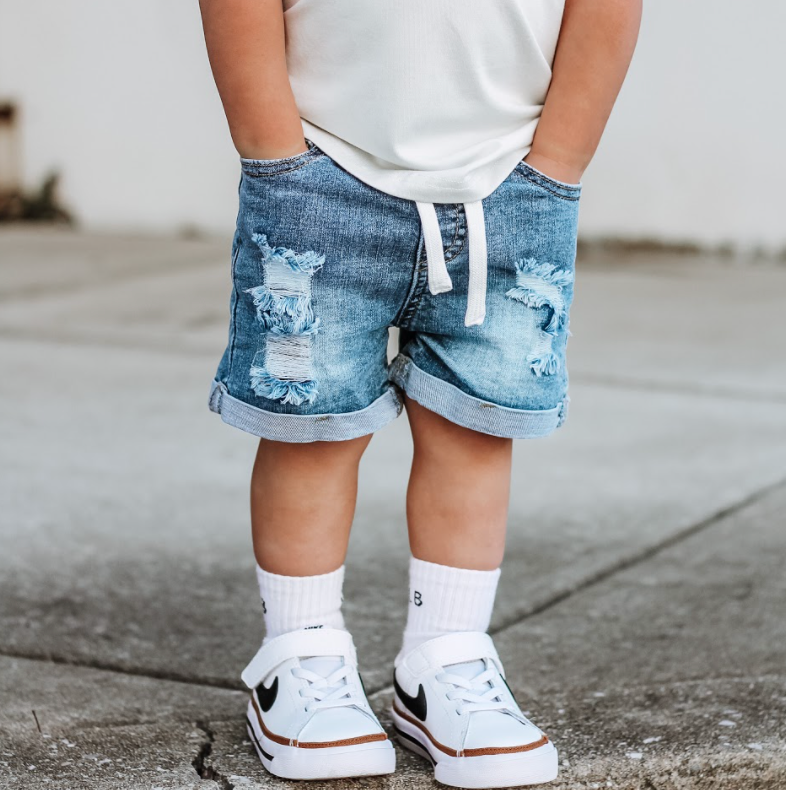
308,717
453,706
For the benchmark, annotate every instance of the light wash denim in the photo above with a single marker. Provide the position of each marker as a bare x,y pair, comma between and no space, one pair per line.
323,265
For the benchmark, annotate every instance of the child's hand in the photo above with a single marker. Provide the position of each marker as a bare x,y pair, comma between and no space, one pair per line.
271,151
559,171
595,47
246,45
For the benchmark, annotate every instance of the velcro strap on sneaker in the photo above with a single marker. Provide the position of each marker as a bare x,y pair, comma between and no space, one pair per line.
305,643
457,648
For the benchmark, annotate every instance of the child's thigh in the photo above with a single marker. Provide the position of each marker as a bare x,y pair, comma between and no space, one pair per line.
319,267
508,375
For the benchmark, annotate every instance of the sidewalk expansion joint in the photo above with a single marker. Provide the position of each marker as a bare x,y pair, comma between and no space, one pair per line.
36,292
721,393
638,557
149,345
108,666
623,564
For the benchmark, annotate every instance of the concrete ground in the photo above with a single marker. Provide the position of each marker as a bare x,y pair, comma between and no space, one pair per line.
641,609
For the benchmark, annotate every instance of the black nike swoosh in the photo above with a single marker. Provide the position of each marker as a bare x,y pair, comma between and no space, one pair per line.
415,705
267,696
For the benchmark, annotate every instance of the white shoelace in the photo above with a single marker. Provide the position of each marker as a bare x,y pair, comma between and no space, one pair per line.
331,691
480,692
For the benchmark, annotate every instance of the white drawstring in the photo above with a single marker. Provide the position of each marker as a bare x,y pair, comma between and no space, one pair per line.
478,264
438,278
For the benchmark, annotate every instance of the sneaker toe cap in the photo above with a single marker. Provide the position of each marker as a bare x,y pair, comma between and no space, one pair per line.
489,729
338,724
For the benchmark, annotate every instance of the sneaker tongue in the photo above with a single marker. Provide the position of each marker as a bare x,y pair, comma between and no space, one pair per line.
468,670
322,665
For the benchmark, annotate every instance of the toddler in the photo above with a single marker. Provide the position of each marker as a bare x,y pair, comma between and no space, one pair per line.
412,164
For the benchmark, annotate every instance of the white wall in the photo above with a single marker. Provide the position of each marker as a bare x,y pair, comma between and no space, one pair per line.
695,147
118,96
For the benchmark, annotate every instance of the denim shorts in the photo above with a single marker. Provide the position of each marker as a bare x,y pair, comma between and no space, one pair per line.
323,265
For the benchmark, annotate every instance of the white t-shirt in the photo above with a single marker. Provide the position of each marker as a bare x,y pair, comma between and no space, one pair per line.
435,101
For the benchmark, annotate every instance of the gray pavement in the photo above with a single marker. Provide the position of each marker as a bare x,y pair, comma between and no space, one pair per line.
640,610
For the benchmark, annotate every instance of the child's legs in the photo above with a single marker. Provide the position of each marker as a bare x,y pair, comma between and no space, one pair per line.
303,498
302,504
321,265
457,500
471,388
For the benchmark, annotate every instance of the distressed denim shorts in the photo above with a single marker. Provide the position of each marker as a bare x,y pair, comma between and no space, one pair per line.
324,264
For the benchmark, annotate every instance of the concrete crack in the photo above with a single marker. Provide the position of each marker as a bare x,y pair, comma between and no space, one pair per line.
200,762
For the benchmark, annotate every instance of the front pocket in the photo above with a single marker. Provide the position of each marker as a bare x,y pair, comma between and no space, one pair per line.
273,167
558,188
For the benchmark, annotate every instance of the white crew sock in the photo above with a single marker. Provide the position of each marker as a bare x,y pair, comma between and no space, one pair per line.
444,600
293,602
